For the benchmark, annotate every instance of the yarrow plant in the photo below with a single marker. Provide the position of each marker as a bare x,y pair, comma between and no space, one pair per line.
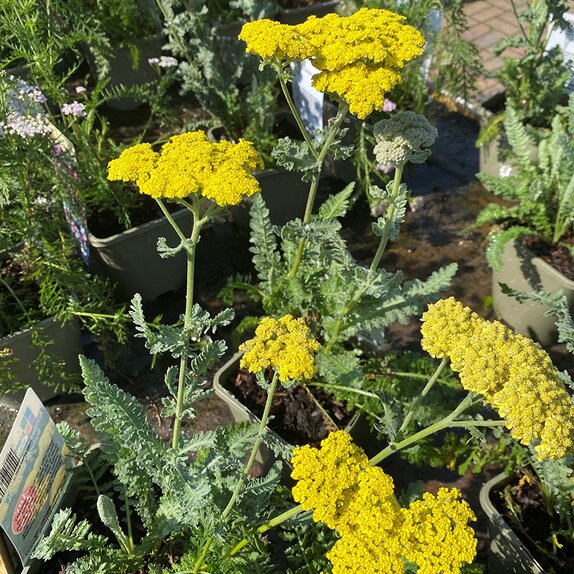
349,495
284,345
22,104
304,268
359,57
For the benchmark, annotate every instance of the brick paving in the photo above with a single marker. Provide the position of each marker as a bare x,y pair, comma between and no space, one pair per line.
488,22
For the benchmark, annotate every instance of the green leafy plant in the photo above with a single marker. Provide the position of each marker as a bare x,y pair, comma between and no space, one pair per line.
49,41
218,72
126,22
534,78
540,185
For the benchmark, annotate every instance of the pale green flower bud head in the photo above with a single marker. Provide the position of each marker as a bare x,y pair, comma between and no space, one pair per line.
403,137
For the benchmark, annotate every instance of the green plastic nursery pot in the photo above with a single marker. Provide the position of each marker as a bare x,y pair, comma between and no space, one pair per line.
131,259
506,553
123,73
285,196
524,271
357,427
65,346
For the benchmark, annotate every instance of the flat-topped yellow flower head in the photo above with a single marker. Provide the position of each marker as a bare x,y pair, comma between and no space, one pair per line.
359,57
514,373
376,534
283,345
435,534
190,164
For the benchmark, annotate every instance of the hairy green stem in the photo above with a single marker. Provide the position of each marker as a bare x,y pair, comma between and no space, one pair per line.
432,429
246,469
422,395
295,112
279,519
129,520
344,388
315,186
358,295
190,249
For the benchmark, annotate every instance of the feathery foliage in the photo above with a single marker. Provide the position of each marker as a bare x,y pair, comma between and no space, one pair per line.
540,186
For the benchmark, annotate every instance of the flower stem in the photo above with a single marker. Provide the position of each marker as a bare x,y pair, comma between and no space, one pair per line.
444,423
190,249
295,112
315,186
255,449
389,218
422,395
358,295
245,471
291,513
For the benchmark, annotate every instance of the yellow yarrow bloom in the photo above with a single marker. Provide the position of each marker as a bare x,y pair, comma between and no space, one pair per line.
283,345
359,56
190,163
435,534
514,373
274,41
356,499
337,482
134,163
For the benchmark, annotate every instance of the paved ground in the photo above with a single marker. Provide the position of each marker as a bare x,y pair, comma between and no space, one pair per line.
489,21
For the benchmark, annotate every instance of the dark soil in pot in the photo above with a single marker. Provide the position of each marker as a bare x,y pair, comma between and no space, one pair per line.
525,500
145,209
296,416
557,256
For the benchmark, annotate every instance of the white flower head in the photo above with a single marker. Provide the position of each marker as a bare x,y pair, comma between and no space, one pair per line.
163,62
505,170
74,109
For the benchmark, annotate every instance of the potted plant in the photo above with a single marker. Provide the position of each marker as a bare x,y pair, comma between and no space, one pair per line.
215,484
80,144
530,506
45,296
529,247
44,283
533,80
132,30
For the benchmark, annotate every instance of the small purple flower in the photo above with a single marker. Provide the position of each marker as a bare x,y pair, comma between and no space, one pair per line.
74,109
80,89
24,115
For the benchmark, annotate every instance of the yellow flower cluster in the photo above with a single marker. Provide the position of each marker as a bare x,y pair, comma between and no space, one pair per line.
514,373
357,500
284,345
190,163
435,534
359,56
